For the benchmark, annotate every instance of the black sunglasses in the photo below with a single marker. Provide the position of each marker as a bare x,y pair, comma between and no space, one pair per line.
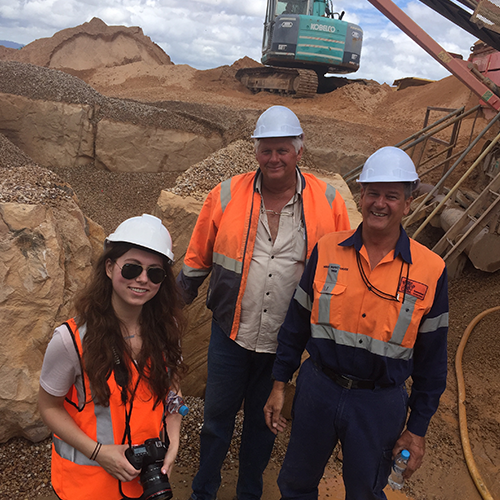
131,271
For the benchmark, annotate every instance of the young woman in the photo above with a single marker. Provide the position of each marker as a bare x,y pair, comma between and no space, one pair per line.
107,372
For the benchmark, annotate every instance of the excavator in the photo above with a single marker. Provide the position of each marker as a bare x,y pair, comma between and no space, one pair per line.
303,41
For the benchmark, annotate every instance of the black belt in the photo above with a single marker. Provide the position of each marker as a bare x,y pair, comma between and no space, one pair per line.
346,382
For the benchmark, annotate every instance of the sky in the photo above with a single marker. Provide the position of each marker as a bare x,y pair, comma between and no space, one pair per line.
210,33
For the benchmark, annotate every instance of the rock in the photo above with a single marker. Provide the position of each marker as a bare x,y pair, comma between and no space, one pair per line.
123,147
52,133
179,215
45,256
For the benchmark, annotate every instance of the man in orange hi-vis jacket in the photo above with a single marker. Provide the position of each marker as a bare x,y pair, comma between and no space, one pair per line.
372,310
254,235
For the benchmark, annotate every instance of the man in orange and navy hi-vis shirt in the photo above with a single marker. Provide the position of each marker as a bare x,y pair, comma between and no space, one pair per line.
254,235
372,310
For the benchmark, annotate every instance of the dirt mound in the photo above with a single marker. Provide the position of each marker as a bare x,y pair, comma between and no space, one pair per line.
89,46
245,62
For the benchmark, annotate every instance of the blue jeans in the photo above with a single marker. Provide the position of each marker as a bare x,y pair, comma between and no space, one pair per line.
367,423
235,375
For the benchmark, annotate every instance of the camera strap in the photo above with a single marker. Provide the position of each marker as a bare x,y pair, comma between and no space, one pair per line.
128,414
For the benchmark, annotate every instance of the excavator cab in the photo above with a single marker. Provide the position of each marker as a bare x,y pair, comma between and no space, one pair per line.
308,34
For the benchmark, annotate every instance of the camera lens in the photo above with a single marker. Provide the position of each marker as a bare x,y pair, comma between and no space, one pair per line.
154,483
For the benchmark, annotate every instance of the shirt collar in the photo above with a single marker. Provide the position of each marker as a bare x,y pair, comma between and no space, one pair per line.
402,246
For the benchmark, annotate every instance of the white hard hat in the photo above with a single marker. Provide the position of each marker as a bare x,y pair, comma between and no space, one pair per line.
389,164
145,231
277,121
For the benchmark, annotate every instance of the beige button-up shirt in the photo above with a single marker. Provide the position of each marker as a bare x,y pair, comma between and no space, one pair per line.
275,270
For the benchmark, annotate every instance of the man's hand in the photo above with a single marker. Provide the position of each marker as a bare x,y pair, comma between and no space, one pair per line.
415,445
272,410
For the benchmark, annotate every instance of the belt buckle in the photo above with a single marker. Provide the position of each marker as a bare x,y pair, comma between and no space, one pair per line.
346,382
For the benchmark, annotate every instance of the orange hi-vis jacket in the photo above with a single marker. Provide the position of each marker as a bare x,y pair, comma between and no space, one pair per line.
76,477
224,237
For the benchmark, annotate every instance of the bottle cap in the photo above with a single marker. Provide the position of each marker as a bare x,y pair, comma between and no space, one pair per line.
184,410
405,454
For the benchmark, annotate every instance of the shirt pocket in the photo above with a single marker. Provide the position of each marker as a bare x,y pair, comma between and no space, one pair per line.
330,299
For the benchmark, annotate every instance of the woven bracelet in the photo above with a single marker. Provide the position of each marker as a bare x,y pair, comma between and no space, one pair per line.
96,451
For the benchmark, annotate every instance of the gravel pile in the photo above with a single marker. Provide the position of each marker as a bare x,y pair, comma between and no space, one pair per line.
36,82
237,158
109,198
39,83
198,180
34,185
26,466
12,156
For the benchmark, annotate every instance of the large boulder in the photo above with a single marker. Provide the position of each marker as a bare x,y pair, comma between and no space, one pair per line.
44,258
47,248
53,133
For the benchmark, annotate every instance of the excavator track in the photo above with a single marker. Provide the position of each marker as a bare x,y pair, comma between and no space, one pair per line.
284,81
306,83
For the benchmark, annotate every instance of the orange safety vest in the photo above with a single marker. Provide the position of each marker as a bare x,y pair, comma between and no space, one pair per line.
224,237
74,476
346,311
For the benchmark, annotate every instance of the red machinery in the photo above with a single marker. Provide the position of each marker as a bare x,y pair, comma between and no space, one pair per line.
479,73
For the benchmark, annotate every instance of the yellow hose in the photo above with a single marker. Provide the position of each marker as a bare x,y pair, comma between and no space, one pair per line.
462,417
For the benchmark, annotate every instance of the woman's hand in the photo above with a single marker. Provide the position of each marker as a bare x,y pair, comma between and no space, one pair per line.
168,461
112,459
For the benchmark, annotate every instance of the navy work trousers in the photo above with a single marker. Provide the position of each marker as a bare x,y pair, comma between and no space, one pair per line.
235,375
367,422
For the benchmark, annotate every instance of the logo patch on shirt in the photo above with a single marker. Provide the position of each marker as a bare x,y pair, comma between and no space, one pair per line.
413,288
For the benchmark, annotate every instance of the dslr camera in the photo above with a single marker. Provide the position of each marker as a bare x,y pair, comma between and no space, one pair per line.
148,458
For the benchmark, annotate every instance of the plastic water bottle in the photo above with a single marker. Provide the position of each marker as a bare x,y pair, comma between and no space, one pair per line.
175,404
396,479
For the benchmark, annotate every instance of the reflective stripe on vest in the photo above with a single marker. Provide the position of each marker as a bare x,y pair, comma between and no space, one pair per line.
225,194
392,349
104,428
226,262
432,324
303,298
330,194
194,273
360,341
324,300
104,423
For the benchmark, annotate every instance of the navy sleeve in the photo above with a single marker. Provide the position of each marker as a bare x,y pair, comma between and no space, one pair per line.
188,286
296,329
430,361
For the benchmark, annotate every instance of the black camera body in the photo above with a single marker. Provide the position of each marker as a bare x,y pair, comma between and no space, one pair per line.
148,458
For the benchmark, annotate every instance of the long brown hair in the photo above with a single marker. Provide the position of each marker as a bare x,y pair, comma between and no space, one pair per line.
104,349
